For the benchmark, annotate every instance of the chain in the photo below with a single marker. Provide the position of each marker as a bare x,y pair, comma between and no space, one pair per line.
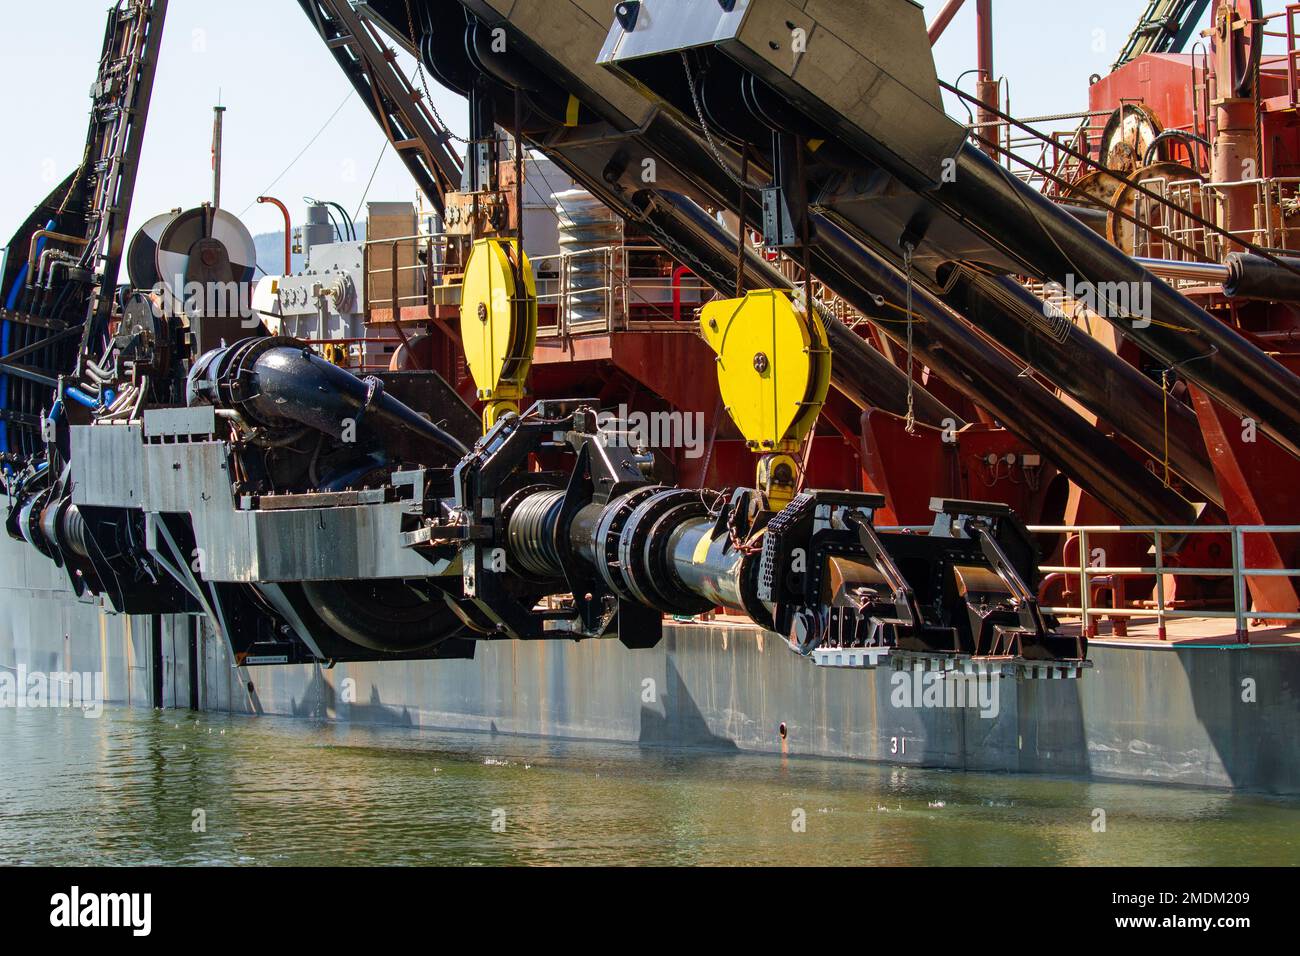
419,73
708,135
908,249
1164,388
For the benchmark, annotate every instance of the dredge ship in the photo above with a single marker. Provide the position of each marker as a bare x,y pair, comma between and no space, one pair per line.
724,390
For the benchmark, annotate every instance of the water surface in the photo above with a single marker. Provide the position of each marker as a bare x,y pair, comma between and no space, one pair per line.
125,788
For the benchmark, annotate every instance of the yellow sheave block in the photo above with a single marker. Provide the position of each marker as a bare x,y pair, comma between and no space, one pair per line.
773,365
498,317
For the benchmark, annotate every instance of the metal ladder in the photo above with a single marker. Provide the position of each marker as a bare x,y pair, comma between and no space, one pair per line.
122,92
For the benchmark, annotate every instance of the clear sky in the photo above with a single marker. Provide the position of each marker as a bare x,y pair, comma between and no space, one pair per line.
280,85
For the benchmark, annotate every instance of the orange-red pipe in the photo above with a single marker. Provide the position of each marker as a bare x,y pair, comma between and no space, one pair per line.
943,19
288,232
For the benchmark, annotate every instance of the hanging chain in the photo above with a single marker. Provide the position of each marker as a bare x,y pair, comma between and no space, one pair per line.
708,134
1164,387
419,73
908,249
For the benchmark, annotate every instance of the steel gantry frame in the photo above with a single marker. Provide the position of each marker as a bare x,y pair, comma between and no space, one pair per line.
423,143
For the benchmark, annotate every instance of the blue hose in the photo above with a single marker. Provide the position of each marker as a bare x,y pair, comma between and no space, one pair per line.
10,304
81,398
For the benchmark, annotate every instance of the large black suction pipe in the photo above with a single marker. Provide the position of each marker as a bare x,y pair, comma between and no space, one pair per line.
1056,246
278,383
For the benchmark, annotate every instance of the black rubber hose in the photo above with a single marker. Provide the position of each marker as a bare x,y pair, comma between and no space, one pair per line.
1244,82
278,382
1189,137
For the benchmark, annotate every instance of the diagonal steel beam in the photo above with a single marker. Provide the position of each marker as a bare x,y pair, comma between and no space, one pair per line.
421,142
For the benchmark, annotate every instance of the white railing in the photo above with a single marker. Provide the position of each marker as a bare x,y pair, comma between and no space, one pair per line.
1089,568
626,290
1275,202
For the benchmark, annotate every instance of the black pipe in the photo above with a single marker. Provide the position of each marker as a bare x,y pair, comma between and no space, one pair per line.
279,383
1092,217
957,353
156,659
1056,246
1084,369
1254,277
193,660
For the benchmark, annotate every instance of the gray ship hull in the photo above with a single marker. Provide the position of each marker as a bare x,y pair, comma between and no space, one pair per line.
1196,716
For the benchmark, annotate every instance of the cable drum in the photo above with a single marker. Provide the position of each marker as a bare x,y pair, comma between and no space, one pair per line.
531,533
591,242
142,254
178,239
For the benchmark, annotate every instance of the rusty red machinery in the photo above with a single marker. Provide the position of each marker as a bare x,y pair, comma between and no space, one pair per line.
1221,118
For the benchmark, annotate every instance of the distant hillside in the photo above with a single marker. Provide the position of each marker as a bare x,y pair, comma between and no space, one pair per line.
270,254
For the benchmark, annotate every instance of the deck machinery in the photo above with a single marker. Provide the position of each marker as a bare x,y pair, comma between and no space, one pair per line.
193,461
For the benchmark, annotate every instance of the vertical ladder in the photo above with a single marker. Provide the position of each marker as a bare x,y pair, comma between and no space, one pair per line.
121,93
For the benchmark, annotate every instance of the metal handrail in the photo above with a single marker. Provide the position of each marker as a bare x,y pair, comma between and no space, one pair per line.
1240,572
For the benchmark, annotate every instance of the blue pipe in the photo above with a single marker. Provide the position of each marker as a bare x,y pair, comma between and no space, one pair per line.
10,303
80,397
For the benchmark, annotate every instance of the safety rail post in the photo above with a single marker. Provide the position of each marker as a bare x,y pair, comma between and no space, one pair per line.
365,280
1291,10
610,296
396,275
1085,598
429,277
1162,631
1239,589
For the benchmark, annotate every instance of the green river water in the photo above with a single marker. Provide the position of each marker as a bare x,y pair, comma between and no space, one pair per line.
142,787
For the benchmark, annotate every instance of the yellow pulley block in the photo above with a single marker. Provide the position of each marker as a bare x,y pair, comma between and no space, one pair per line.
498,323
774,371
774,366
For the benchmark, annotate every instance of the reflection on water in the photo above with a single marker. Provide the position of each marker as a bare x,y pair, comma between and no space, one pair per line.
124,789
